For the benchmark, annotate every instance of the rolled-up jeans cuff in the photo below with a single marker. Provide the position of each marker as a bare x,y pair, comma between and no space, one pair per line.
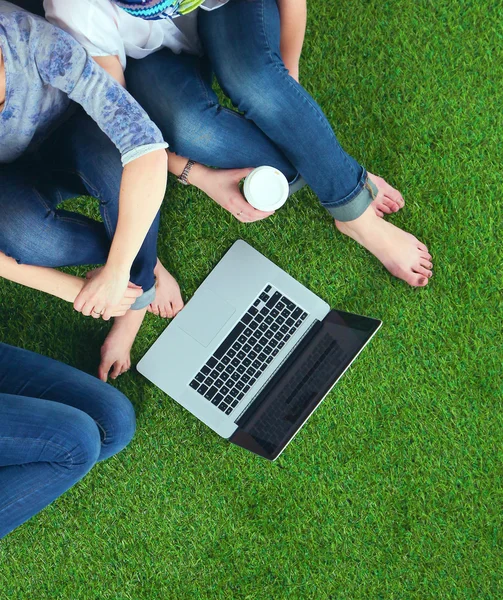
297,183
145,299
356,203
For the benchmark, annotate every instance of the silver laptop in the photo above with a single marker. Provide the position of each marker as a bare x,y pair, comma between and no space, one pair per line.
254,352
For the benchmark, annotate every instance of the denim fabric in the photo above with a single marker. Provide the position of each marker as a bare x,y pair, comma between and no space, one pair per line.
55,424
77,159
278,122
45,69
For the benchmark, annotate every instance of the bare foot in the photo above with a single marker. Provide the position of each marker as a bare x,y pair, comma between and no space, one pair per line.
400,252
115,352
168,300
388,200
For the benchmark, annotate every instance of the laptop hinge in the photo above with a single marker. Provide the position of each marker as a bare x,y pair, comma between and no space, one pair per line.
255,405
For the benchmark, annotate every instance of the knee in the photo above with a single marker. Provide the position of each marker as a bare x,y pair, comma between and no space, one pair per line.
83,444
256,91
117,422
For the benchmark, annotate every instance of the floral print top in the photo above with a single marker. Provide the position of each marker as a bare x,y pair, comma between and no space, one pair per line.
45,70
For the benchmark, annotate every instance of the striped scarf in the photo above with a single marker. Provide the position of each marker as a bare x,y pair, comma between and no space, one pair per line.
158,9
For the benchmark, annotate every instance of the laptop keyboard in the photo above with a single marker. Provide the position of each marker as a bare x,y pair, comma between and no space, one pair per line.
249,349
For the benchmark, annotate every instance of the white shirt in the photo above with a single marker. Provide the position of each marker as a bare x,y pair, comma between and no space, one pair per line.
104,29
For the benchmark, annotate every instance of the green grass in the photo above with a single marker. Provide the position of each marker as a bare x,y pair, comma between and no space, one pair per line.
393,489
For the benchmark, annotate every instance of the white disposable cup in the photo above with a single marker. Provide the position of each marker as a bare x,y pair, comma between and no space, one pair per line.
266,188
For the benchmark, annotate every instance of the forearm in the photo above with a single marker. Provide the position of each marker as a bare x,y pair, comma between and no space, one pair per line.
56,283
293,17
142,191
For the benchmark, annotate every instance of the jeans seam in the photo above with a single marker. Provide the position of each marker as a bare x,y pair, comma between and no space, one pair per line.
94,193
48,208
290,82
205,90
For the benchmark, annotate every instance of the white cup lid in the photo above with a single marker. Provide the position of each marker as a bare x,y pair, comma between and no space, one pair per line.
266,188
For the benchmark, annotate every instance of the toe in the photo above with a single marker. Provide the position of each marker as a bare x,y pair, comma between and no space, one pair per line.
177,306
393,195
384,208
155,309
416,279
169,311
425,255
391,204
423,271
422,247
426,263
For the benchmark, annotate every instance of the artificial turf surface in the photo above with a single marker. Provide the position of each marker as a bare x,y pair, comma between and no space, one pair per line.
393,489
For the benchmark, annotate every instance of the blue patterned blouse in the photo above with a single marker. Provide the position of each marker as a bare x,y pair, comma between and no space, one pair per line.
45,69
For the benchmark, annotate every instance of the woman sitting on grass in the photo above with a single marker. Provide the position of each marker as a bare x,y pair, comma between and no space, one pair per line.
253,47
50,152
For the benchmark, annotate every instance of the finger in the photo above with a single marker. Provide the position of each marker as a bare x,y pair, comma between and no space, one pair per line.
125,367
133,293
116,370
107,315
97,312
127,303
133,286
87,308
104,369
79,303
379,213
250,217
118,312
242,173
259,215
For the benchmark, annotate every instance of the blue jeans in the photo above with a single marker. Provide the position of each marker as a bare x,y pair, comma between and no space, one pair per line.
278,122
55,424
77,159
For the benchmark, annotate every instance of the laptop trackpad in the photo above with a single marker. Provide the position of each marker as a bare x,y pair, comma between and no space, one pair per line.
205,316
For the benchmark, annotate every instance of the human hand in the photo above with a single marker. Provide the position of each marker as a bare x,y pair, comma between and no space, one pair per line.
222,185
107,293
